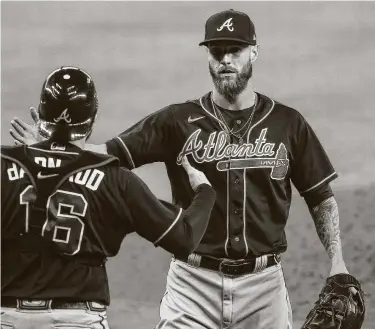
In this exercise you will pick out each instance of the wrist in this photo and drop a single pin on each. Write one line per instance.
(337, 259)
(338, 266)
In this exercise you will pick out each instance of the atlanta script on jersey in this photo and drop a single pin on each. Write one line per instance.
(252, 177)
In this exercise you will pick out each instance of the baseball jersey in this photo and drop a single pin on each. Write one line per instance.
(64, 211)
(252, 177)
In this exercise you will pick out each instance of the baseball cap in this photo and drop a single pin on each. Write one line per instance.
(230, 25)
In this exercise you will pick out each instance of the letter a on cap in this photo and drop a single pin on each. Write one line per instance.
(228, 24)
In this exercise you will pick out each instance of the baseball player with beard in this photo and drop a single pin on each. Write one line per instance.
(252, 149)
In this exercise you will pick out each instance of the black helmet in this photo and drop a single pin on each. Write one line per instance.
(68, 105)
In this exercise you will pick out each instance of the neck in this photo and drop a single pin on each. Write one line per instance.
(243, 100)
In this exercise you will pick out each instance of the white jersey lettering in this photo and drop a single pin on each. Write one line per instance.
(88, 178)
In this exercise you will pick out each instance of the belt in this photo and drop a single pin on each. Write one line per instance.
(46, 304)
(229, 266)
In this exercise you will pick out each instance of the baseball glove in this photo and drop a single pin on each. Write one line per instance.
(338, 307)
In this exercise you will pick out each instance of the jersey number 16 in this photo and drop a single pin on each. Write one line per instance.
(63, 225)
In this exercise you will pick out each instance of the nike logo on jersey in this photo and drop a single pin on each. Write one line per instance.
(191, 120)
(41, 176)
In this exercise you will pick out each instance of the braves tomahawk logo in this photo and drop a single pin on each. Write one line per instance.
(259, 154)
(63, 116)
(228, 24)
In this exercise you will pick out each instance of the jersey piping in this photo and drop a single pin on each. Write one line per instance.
(52, 151)
(244, 174)
(244, 211)
(261, 120)
(213, 116)
(127, 151)
(169, 228)
(227, 240)
(321, 182)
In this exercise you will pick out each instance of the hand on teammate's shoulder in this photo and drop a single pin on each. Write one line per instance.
(24, 133)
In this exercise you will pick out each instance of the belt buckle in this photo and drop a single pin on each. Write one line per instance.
(96, 307)
(34, 304)
(230, 266)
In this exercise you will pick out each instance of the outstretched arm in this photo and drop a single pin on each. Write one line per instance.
(145, 142)
(326, 219)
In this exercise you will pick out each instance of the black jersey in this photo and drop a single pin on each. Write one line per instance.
(251, 175)
(64, 211)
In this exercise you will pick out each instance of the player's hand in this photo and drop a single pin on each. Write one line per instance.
(196, 177)
(23, 133)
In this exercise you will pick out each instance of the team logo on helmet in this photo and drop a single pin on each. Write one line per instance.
(228, 24)
(63, 116)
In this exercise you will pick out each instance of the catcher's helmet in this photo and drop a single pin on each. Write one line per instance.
(68, 105)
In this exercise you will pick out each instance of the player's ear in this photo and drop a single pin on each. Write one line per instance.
(254, 50)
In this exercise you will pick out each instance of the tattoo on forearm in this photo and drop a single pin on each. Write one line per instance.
(326, 219)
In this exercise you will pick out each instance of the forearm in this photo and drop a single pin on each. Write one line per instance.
(197, 216)
(326, 219)
(187, 233)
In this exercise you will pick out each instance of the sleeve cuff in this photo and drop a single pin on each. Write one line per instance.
(156, 243)
(323, 181)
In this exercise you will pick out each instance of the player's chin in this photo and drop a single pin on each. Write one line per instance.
(228, 83)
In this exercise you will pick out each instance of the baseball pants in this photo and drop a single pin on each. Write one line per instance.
(15, 318)
(199, 298)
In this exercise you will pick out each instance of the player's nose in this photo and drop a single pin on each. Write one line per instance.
(226, 59)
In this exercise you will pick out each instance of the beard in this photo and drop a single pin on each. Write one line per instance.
(230, 87)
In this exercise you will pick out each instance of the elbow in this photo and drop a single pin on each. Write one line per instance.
(183, 243)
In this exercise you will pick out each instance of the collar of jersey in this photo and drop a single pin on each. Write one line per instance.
(265, 105)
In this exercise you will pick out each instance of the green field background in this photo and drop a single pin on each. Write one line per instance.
(318, 57)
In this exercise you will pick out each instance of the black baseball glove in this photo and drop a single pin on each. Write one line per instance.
(338, 307)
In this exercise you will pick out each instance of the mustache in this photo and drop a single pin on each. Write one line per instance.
(227, 69)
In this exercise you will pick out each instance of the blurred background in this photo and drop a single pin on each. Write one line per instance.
(318, 57)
